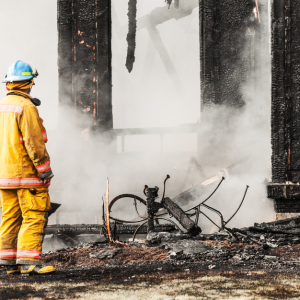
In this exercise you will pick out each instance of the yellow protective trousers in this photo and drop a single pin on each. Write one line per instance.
(24, 217)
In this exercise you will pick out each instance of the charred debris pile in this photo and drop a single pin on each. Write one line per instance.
(177, 240)
(168, 228)
(272, 245)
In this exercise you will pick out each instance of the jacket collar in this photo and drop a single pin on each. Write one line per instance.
(15, 92)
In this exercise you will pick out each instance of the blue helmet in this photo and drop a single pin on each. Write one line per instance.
(20, 71)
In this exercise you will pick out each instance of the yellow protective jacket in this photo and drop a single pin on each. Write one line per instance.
(24, 160)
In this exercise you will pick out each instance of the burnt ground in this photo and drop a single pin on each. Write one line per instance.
(132, 266)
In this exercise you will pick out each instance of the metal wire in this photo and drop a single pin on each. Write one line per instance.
(208, 196)
(138, 230)
(225, 223)
(210, 219)
(136, 210)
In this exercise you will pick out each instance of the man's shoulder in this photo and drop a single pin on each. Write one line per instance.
(17, 100)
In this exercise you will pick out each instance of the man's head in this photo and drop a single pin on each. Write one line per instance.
(20, 77)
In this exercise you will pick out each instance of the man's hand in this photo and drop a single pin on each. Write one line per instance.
(48, 179)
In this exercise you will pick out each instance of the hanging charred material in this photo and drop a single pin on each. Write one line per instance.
(176, 3)
(131, 36)
(84, 59)
(169, 2)
(285, 113)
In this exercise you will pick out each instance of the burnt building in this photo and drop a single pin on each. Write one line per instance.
(233, 41)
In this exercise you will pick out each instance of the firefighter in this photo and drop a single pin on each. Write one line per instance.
(25, 175)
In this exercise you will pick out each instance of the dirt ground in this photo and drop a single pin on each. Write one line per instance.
(148, 273)
(180, 285)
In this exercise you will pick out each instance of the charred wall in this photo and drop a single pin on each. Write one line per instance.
(84, 58)
(285, 118)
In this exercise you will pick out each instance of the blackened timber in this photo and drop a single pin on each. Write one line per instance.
(292, 74)
(224, 27)
(78, 229)
(84, 59)
(278, 93)
(131, 36)
(65, 50)
(84, 62)
(104, 71)
(175, 211)
(229, 39)
(285, 106)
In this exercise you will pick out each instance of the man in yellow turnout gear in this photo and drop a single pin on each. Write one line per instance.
(25, 175)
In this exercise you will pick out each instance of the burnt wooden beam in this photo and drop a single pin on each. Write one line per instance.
(285, 106)
(84, 59)
(78, 229)
(231, 48)
(104, 114)
(175, 211)
(65, 50)
(225, 27)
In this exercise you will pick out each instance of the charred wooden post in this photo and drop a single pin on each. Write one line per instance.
(152, 206)
(285, 114)
(224, 35)
(84, 59)
(230, 55)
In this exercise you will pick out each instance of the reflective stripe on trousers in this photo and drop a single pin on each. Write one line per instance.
(21, 230)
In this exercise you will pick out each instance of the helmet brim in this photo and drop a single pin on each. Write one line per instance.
(17, 78)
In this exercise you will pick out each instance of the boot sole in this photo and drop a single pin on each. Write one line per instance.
(36, 273)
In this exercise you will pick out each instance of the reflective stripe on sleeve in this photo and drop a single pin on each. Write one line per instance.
(21, 139)
(15, 182)
(44, 167)
(8, 253)
(11, 108)
(45, 138)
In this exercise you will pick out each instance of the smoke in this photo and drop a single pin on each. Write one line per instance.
(230, 134)
(29, 33)
(147, 97)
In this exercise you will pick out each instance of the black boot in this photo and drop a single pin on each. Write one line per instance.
(13, 270)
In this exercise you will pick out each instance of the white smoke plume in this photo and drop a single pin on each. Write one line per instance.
(82, 160)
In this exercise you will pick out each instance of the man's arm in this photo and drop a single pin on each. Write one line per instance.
(34, 143)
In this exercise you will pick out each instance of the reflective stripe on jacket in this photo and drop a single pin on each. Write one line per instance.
(24, 160)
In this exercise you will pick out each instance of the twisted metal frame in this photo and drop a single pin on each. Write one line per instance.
(195, 211)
